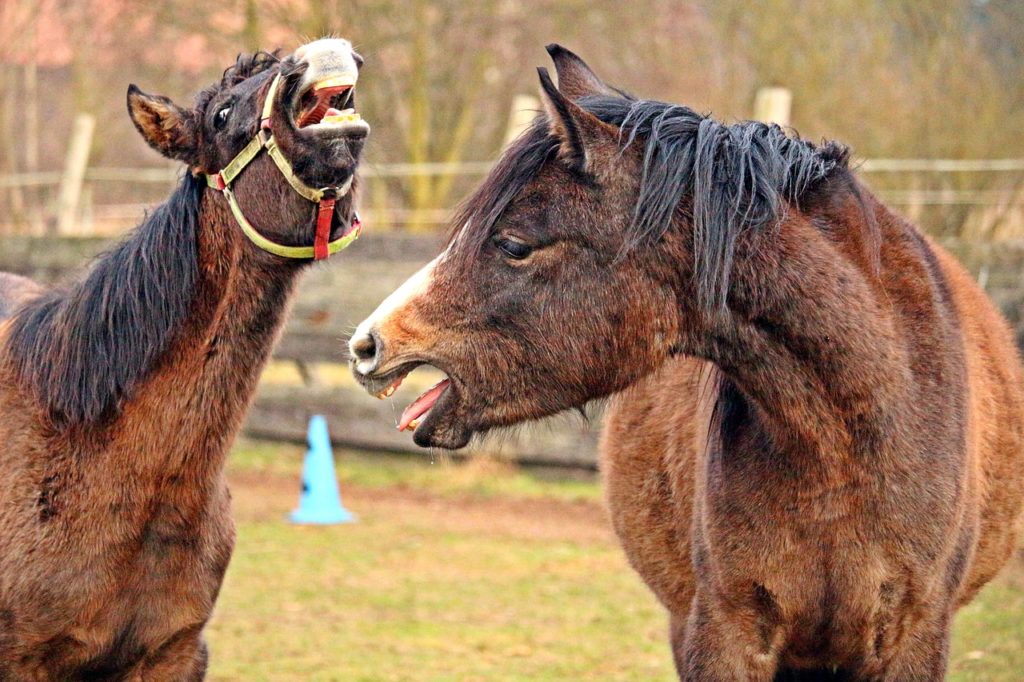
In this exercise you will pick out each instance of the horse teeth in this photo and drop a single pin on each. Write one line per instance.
(413, 424)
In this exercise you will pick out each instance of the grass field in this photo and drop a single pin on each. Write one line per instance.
(461, 572)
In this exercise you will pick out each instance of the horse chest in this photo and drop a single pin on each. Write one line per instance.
(122, 597)
(819, 553)
(171, 582)
(177, 555)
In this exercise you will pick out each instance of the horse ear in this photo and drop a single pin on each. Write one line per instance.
(575, 78)
(167, 128)
(587, 142)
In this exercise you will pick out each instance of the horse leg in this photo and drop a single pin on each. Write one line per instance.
(715, 645)
(201, 661)
(923, 654)
(677, 639)
(184, 658)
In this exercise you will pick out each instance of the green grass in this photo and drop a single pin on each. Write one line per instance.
(468, 572)
(988, 641)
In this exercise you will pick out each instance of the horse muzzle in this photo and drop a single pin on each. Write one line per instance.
(325, 96)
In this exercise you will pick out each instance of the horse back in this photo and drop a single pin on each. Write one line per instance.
(14, 291)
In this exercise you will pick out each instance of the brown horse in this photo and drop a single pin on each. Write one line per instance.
(121, 394)
(815, 451)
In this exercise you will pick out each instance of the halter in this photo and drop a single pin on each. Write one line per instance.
(325, 198)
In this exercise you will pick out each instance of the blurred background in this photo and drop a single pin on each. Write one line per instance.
(899, 81)
(499, 564)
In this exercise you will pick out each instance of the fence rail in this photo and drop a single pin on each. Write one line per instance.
(940, 165)
(169, 174)
(949, 197)
(980, 195)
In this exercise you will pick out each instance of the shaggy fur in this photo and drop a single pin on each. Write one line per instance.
(121, 394)
(816, 453)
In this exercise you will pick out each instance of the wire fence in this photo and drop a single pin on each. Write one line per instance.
(965, 198)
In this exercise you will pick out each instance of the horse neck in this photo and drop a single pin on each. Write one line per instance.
(813, 350)
(193, 402)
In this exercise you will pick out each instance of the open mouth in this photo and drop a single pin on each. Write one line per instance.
(328, 104)
(419, 409)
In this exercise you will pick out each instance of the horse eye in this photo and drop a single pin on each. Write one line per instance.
(221, 118)
(513, 248)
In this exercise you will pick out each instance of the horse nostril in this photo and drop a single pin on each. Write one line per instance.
(365, 347)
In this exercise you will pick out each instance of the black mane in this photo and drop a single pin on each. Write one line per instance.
(737, 177)
(82, 350)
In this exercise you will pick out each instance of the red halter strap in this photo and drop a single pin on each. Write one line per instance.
(324, 217)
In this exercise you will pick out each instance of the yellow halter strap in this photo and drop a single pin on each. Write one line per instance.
(325, 198)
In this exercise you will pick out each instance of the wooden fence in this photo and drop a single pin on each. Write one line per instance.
(335, 296)
(967, 198)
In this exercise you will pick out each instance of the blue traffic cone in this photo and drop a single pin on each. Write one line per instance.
(320, 501)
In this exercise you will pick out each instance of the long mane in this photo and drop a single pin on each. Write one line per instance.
(735, 177)
(84, 348)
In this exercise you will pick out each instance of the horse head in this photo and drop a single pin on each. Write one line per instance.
(300, 110)
(599, 246)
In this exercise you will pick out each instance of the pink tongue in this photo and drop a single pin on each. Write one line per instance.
(331, 111)
(421, 405)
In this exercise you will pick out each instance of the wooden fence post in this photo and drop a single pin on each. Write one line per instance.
(70, 191)
(36, 217)
(773, 105)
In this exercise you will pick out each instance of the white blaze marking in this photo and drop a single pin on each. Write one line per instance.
(399, 298)
(326, 57)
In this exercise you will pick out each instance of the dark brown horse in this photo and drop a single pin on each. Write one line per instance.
(815, 451)
(121, 394)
